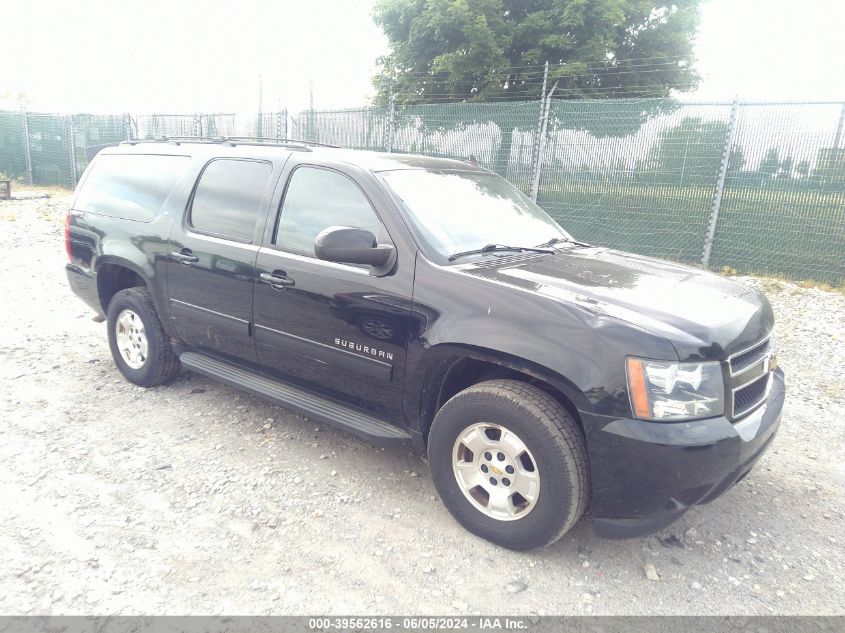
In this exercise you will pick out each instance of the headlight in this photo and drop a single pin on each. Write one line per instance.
(662, 390)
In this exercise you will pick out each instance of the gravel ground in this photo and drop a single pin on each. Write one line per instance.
(195, 498)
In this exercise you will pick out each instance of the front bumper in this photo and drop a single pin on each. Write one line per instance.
(645, 475)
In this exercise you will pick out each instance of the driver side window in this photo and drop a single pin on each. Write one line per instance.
(317, 199)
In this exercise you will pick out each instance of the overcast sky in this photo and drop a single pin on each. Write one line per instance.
(189, 56)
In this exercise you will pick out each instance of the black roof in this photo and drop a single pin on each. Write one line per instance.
(258, 147)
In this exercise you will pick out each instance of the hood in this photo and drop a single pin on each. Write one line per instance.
(704, 316)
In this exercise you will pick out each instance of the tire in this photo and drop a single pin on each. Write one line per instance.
(158, 364)
(524, 417)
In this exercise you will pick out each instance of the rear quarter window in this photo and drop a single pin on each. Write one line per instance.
(130, 186)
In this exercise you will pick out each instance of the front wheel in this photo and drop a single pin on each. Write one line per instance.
(510, 463)
(139, 345)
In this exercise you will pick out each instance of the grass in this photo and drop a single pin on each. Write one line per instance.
(791, 233)
(820, 286)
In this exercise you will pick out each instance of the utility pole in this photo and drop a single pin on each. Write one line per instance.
(541, 146)
(716, 203)
(542, 105)
(391, 123)
(545, 80)
(25, 132)
(71, 144)
(311, 119)
(280, 130)
(535, 150)
(259, 127)
(839, 128)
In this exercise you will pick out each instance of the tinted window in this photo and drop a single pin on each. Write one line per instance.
(317, 199)
(456, 211)
(228, 198)
(130, 186)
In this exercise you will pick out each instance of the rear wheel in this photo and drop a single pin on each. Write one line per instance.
(510, 463)
(140, 347)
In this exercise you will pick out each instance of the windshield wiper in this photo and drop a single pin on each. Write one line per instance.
(555, 240)
(493, 248)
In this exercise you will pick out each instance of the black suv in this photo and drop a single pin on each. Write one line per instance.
(427, 301)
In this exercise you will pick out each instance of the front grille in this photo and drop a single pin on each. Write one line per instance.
(751, 395)
(750, 377)
(750, 357)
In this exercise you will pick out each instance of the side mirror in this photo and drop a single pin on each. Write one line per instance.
(349, 245)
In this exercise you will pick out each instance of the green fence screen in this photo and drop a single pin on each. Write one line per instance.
(12, 152)
(642, 174)
(652, 176)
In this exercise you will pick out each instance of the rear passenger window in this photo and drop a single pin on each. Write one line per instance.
(130, 186)
(228, 198)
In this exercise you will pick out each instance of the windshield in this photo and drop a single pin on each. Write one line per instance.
(459, 211)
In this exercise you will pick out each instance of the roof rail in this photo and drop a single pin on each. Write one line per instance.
(175, 139)
(280, 141)
(232, 140)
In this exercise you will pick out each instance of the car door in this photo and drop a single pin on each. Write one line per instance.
(211, 263)
(332, 327)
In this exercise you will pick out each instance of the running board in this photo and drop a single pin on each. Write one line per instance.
(365, 426)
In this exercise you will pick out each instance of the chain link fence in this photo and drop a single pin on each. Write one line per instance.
(49, 149)
(755, 187)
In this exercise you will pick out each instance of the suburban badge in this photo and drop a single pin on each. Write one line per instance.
(363, 349)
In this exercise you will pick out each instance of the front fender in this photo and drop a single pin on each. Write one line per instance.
(579, 350)
(428, 374)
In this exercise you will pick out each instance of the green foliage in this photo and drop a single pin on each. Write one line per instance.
(770, 164)
(481, 50)
(736, 161)
(689, 152)
(595, 116)
(786, 167)
(830, 167)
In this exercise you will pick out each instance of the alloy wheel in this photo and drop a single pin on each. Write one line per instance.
(496, 471)
(131, 339)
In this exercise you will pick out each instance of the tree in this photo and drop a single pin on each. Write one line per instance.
(736, 160)
(482, 50)
(489, 50)
(689, 153)
(785, 168)
(830, 167)
(770, 164)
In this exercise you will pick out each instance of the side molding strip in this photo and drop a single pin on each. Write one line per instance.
(333, 355)
(211, 317)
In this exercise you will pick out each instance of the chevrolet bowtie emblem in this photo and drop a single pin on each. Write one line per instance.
(495, 470)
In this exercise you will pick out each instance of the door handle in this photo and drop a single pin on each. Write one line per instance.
(277, 281)
(185, 257)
